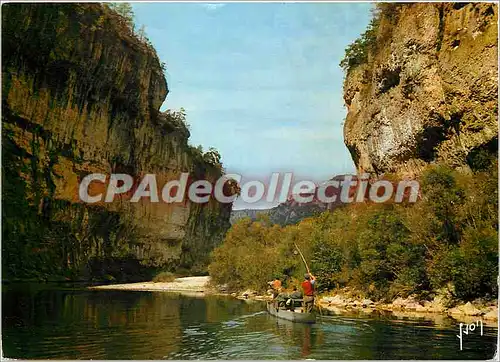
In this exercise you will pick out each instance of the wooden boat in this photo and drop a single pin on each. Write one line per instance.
(297, 315)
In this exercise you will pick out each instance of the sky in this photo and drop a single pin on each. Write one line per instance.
(260, 82)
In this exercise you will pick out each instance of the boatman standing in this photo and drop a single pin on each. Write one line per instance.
(308, 288)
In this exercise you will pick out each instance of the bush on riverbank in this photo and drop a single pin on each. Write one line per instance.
(164, 277)
(384, 251)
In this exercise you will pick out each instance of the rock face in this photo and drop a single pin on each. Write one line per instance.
(81, 94)
(286, 213)
(291, 212)
(243, 213)
(428, 89)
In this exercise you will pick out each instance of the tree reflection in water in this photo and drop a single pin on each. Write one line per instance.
(81, 324)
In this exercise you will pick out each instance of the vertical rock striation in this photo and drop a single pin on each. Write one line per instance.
(81, 94)
(427, 90)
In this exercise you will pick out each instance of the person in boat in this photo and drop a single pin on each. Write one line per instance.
(296, 294)
(290, 302)
(308, 288)
(276, 286)
(282, 300)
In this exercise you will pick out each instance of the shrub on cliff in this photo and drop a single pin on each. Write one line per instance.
(124, 9)
(126, 18)
(358, 51)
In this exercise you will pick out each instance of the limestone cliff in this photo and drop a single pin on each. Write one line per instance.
(424, 87)
(291, 212)
(286, 213)
(81, 94)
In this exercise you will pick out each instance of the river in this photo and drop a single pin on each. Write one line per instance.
(46, 322)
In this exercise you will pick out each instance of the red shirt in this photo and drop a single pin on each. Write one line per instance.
(308, 288)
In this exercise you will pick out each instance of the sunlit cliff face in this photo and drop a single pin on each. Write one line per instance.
(428, 90)
(81, 94)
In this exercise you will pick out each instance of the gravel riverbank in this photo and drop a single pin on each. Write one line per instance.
(189, 285)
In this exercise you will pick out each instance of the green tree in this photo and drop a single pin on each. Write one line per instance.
(357, 52)
(248, 258)
(125, 10)
(141, 33)
(443, 197)
(448, 238)
(212, 156)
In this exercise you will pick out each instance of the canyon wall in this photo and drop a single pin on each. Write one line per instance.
(422, 87)
(81, 94)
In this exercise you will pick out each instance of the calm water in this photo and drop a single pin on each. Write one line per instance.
(82, 324)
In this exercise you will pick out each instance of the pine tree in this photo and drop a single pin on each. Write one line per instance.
(141, 33)
(125, 10)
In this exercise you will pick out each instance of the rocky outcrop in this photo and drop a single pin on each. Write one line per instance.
(286, 213)
(81, 94)
(426, 90)
(291, 212)
(253, 214)
(344, 303)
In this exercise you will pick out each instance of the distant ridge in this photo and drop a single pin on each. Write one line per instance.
(291, 211)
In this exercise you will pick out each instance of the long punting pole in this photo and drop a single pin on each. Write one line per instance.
(303, 259)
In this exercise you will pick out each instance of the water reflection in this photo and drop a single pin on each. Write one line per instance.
(73, 324)
(302, 336)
